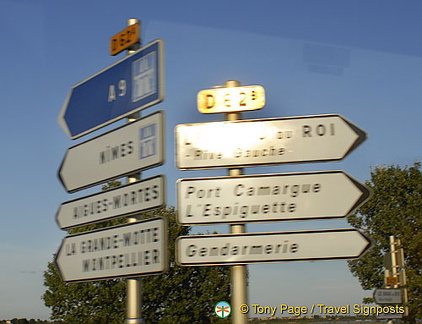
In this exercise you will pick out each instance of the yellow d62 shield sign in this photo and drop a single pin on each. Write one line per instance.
(124, 39)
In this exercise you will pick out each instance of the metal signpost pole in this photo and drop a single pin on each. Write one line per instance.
(238, 272)
(397, 261)
(393, 263)
(256, 142)
(85, 111)
(393, 257)
(402, 277)
(134, 291)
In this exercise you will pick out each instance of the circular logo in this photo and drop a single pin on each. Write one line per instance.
(222, 309)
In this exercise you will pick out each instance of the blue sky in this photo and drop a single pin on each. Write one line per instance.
(360, 59)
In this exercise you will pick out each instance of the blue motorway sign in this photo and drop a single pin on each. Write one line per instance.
(121, 89)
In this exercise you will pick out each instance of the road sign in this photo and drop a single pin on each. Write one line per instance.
(131, 148)
(124, 39)
(128, 250)
(269, 197)
(387, 262)
(231, 99)
(265, 141)
(130, 85)
(402, 278)
(388, 296)
(270, 247)
(391, 281)
(122, 201)
(399, 259)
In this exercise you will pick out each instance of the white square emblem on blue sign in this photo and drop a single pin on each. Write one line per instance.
(144, 81)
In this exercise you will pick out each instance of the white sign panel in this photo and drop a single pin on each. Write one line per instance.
(117, 202)
(272, 197)
(231, 99)
(265, 141)
(131, 148)
(270, 247)
(127, 250)
(388, 296)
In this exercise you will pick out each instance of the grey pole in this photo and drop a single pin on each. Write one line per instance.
(393, 263)
(393, 256)
(134, 286)
(238, 272)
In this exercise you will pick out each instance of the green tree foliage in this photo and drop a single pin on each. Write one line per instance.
(26, 321)
(19, 321)
(395, 209)
(92, 302)
(85, 302)
(181, 294)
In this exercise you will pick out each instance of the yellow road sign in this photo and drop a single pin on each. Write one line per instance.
(221, 100)
(391, 281)
(125, 39)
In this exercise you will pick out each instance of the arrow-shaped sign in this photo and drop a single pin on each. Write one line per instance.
(121, 89)
(131, 148)
(266, 141)
(126, 250)
(269, 197)
(388, 296)
(270, 247)
(122, 201)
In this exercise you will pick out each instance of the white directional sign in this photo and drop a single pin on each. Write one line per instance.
(127, 250)
(270, 197)
(231, 99)
(388, 296)
(131, 148)
(117, 202)
(265, 141)
(270, 247)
